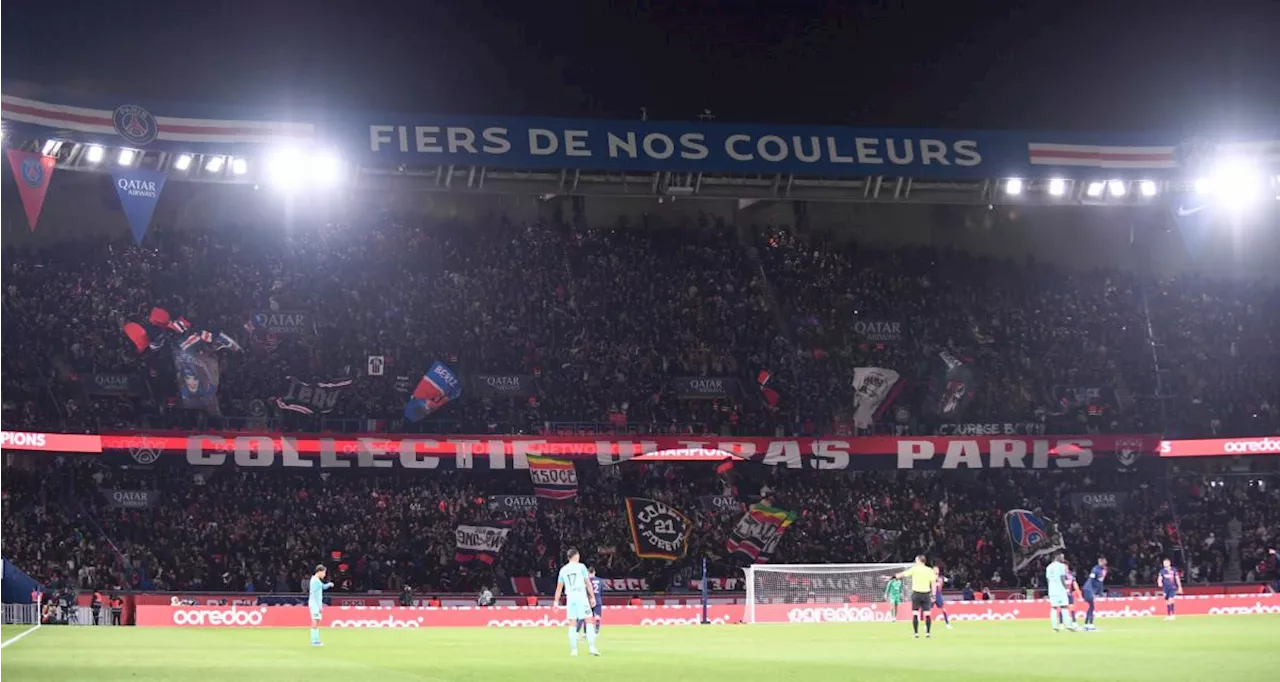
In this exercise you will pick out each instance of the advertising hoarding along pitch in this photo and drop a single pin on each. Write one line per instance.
(718, 614)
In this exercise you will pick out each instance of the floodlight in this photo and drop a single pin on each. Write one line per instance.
(95, 153)
(1236, 183)
(126, 157)
(1202, 185)
(1116, 187)
(1013, 186)
(1057, 187)
(285, 167)
(214, 164)
(1149, 188)
(1095, 189)
(182, 163)
(239, 166)
(326, 168)
(50, 147)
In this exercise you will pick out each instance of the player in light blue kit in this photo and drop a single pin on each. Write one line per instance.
(1059, 601)
(315, 600)
(580, 601)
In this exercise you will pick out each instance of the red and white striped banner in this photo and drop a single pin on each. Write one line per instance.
(138, 126)
(1095, 156)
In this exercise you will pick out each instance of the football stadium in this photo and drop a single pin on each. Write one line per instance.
(547, 392)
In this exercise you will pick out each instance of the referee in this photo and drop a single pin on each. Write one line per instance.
(921, 576)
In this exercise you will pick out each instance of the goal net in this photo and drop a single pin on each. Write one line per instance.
(806, 593)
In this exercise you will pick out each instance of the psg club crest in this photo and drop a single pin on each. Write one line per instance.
(146, 450)
(1127, 451)
(33, 173)
(135, 124)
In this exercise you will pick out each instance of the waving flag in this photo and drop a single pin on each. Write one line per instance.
(658, 530)
(758, 531)
(198, 379)
(479, 543)
(553, 479)
(873, 391)
(139, 191)
(32, 172)
(436, 388)
(1030, 536)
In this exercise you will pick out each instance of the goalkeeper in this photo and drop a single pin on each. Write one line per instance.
(893, 594)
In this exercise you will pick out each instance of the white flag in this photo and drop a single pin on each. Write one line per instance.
(871, 387)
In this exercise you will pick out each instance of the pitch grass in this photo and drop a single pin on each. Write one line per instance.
(1213, 649)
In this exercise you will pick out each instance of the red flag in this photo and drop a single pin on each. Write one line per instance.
(32, 172)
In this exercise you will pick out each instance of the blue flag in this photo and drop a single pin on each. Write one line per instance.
(436, 388)
(139, 190)
(1030, 536)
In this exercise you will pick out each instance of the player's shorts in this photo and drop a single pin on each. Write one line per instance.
(937, 600)
(921, 601)
(1071, 599)
(1059, 599)
(579, 610)
(1170, 594)
(1089, 596)
(598, 611)
(315, 613)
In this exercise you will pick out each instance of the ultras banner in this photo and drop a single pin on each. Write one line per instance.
(470, 452)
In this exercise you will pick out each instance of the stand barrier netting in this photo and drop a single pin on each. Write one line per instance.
(800, 593)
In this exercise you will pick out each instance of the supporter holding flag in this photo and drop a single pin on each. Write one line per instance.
(435, 389)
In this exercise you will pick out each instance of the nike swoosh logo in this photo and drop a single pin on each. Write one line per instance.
(1183, 212)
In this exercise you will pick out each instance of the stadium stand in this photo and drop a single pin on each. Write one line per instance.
(607, 319)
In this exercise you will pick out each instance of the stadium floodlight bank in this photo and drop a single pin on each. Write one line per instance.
(791, 593)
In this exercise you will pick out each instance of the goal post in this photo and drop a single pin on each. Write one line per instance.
(802, 593)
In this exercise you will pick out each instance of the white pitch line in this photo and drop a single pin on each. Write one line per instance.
(22, 634)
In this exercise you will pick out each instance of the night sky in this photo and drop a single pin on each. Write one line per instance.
(1069, 64)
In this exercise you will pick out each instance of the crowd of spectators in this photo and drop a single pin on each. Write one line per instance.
(225, 529)
(605, 318)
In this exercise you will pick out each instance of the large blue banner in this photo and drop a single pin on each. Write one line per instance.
(755, 148)
(139, 190)
(436, 388)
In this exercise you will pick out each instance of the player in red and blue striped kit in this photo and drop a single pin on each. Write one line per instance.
(1093, 588)
(1171, 583)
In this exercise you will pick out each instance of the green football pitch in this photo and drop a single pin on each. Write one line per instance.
(1213, 649)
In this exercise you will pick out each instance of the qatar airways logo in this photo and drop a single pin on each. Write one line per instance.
(232, 617)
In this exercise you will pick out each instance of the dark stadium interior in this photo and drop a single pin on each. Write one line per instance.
(1076, 331)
